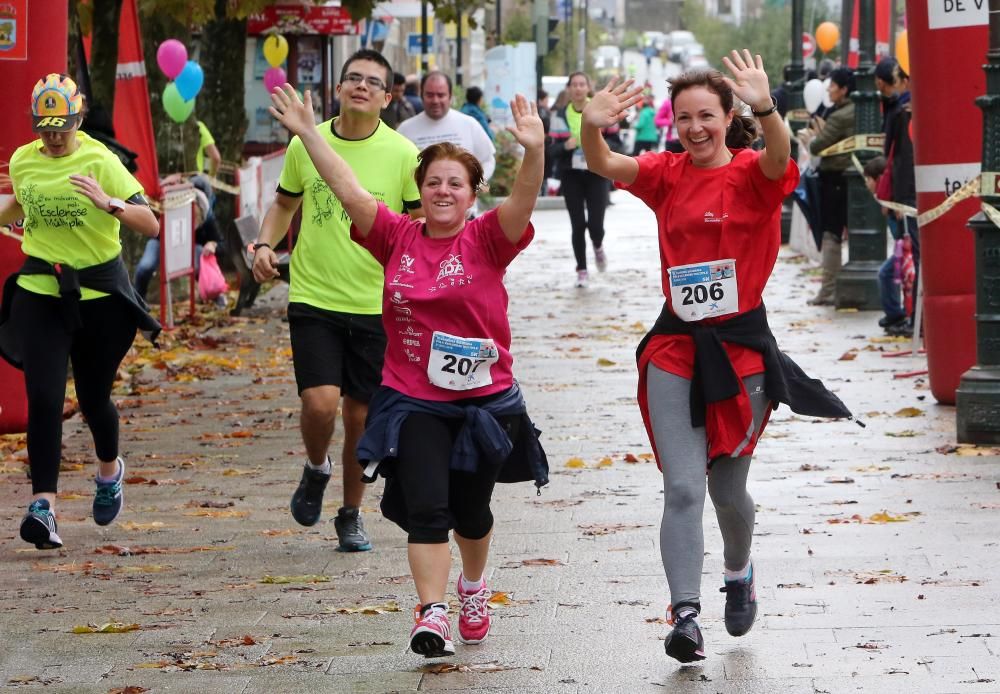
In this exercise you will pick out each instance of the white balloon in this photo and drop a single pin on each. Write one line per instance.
(826, 93)
(812, 94)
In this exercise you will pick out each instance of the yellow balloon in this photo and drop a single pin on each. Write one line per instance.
(827, 35)
(275, 50)
(903, 51)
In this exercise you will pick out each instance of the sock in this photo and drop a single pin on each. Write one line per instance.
(684, 608)
(471, 587)
(326, 468)
(113, 478)
(739, 575)
(439, 606)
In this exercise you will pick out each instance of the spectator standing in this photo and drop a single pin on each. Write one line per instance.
(647, 135)
(473, 107)
(412, 94)
(441, 123)
(207, 148)
(838, 125)
(335, 295)
(400, 108)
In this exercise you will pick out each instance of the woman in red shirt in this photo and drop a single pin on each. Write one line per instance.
(710, 370)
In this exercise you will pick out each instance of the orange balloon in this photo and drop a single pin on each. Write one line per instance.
(827, 35)
(903, 51)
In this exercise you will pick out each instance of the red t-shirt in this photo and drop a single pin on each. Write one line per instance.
(444, 306)
(731, 211)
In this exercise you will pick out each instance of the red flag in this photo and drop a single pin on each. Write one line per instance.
(882, 21)
(132, 119)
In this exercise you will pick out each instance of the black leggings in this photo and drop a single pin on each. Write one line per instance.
(96, 350)
(438, 498)
(585, 189)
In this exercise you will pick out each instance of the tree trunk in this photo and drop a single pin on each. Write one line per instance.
(176, 143)
(104, 52)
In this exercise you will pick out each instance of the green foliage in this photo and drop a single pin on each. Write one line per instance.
(508, 158)
(518, 26)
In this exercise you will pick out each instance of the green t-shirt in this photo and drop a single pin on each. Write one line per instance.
(329, 271)
(205, 139)
(574, 119)
(62, 225)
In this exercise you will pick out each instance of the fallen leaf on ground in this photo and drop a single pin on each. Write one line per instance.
(307, 578)
(499, 600)
(442, 668)
(849, 355)
(575, 462)
(905, 434)
(594, 529)
(605, 462)
(839, 480)
(283, 660)
(809, 467)
(386, 607)
(541, 562)
(605, 362)
(209, 513)
(128, 690)
(629, 458)
(909, 412)
(109, 628)
(886, 517)
(132, 525)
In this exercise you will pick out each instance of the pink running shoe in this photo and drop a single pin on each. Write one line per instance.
(431, 635)
(474, 616)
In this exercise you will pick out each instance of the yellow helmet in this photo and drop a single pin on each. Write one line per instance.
(56, 104)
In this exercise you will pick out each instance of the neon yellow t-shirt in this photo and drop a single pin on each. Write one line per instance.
(574, 121)
(329, 271)
(205, 139)
(60, 224)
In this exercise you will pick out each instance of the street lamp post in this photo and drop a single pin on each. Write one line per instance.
(798, 117)
(857, 282)
(978, 395)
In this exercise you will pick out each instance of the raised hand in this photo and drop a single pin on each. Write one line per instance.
(749, 81)
(527, 129)
(292, 112)
(609, 105)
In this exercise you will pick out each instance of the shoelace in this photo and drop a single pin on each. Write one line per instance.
(352, 525)
(475, 605)
(105, 495)
(736, 591)
(439, 619)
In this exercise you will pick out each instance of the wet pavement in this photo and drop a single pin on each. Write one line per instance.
(875, 548)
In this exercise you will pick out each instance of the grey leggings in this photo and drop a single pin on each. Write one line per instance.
(683, 453)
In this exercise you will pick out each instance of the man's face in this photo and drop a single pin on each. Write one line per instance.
(886, 89)
(436, 97)
(397, 92)
(358, 91)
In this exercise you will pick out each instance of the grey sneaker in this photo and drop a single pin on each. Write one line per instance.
(307, 501)
(38, 527)
(351, 531)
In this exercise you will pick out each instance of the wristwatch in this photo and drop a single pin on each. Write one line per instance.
(254, 247)
(115, 206)
(768, 112)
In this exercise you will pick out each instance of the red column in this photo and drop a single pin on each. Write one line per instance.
(947, 142)
(40, 48)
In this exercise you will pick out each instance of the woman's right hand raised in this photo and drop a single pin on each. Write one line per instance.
(611, 104)
(292, 112)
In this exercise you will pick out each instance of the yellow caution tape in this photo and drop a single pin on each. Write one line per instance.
(991, 212)
(799, 114)
(969, 190)
(223, 186)
(856, 143)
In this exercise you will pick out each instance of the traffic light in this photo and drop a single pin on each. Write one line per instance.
(544, 41)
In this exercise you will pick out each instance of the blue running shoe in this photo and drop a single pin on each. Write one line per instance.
(741, 603)
(108, 498)
(38, 527)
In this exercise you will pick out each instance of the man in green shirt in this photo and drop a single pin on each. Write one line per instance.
(206, 146)
(335, 293)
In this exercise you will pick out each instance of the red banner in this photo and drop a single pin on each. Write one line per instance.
(133, 119)
(883, 18)
(14, 30)
(296, 19)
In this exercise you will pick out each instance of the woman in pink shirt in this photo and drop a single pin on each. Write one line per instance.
(449, 420)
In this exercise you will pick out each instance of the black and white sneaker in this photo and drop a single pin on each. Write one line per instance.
(685, 643)
(307, 501)
(108, 497)
(38, 527)
(741, 603)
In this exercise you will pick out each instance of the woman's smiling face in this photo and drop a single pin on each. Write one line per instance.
(446, 194)
(702, 125)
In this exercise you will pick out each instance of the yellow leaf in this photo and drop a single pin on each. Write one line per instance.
(905, 434)
(500, 599)
(605, 462)
(605, 362)
(209, 513)
(308, 578)
(575, 462)
(109, 628)
(886, 517)
(132, 525)
(390, 606)
(909, 412)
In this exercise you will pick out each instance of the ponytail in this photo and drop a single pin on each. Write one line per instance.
(742, 132)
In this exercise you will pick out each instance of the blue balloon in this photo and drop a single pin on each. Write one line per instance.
(190, 80)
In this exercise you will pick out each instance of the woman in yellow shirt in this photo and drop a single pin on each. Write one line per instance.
(71, 300)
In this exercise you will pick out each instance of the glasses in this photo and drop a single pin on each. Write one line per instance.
(373, 82)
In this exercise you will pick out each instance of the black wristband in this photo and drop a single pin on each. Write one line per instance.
(768, 112)
(258, 246)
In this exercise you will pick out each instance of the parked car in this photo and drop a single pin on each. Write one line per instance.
(690, 52)
(677, 41)
(608, 58)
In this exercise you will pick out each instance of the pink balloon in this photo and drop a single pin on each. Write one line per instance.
(171, 56)
(274, 77)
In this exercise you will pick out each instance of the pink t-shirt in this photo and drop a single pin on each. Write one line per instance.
(444, 306)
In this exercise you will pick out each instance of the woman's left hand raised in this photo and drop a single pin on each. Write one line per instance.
(88, 186)
(749, 81)
(292, 112)
(527, 129)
